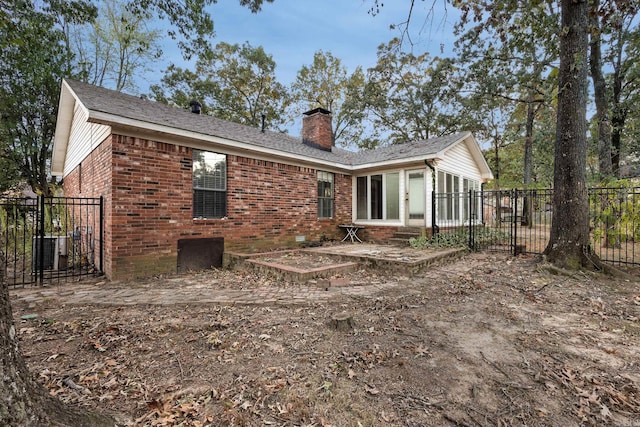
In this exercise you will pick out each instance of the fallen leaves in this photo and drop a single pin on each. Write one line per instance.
(415, 356)
(597, 394)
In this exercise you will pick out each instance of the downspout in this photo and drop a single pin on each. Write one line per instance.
(482, 203)
(434, 227)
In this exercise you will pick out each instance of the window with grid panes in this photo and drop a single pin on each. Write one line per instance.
(325, 194)
(209, 184)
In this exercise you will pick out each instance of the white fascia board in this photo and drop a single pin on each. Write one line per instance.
(231, 145)
(63, 129)
(388, 164)
(64, 122)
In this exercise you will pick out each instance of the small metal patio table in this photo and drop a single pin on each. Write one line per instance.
(352, 232)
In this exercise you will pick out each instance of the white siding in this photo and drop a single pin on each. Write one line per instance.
(458, 161)
(84, 137)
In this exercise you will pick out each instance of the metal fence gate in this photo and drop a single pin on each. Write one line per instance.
(50, 239)
(519, 221)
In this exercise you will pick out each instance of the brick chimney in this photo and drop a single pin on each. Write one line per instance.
(316, 129)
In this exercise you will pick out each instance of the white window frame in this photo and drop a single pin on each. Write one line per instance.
(385, 217)
(455, 211)
(323, 176)
(218, 190)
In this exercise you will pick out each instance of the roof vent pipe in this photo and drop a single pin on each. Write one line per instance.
(263, 117)
(196, 107)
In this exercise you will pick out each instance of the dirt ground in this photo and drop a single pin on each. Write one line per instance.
(485, 341)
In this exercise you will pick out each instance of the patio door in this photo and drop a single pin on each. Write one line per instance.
(415, 199)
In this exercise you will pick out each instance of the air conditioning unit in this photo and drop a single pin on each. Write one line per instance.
(54, 252)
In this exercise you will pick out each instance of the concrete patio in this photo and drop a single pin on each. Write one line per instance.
(321, 262)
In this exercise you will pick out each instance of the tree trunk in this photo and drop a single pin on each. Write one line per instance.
(618, 118)
(569, 241)
(24, 402)
(600, 93)
(618, 121)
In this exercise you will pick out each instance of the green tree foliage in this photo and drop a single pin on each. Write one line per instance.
(114, 48)
(621, 33)
(509, 52)
(189, 22)
(411, 97)
(326, 83)
(233, 82)
(33, 62)
(37, 53)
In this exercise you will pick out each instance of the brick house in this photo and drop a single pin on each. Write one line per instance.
(176, 183)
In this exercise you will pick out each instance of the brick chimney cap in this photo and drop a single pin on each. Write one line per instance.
(317, 110)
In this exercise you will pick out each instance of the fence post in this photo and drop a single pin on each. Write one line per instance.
(101, 233)
(514, 196)
(470, 217)
(40, 239)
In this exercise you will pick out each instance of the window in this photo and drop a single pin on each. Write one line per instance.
(378, 197)
(325, 194)
(209, 184)
(453, 198)
(392, 196)
(361, 198)
(449, 197)
(470, 185)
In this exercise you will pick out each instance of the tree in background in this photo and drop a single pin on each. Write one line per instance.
(326, 84)
(603, 128)
(233, 82)
(410, 97)
(569, 241)
(37, 53)
(33, 62)
(116, 47)
(623, 83)
(189, 23)
(511, 58)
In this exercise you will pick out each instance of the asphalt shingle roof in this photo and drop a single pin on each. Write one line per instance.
(118, 104)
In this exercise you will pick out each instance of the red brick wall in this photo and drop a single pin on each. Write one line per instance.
(376, 233)
(93, 179)
(316, 130)
(149, 205)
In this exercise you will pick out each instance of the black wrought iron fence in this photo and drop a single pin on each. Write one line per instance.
(615, 224)
(49, 239)
(519, 221)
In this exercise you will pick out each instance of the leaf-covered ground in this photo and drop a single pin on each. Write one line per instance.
(485, 341)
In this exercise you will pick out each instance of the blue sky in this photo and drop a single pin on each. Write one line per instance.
(293, 30)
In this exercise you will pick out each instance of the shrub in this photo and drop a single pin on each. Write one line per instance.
(459, 238)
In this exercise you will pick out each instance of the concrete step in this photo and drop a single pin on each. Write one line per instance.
(399, 241)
